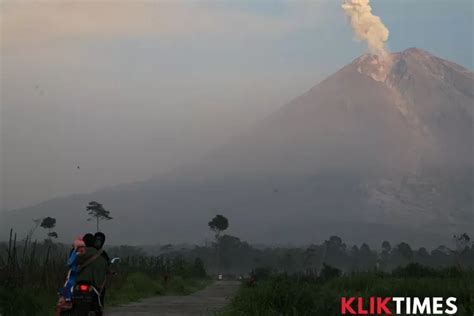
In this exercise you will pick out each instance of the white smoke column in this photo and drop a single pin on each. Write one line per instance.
(367, 26)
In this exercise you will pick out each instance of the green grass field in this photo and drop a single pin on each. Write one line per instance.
(32, 273)
(300, 295)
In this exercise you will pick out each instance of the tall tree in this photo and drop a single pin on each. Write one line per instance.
(49, 223)
(97, 212)
(218, 224)
(462, 242)
(335, 253)
(367, 258)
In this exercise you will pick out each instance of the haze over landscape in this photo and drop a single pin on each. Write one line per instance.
(180, 122)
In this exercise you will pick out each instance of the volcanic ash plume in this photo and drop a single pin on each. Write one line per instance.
(367, 26)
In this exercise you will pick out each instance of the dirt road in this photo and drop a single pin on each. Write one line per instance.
(204, 302)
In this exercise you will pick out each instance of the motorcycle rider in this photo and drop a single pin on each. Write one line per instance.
(92, 265)
(99, 243)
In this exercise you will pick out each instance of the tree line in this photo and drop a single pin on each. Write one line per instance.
(230, 254)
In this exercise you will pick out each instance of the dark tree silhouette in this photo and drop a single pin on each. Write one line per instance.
(462, 242)
(335, 252)
(367, 258)
(218, 224)
(49, 223)
(97, 212)
(386, 247)
(385, 255)
(328, 272)
(313, 256)
(422, 256)
(405, 250)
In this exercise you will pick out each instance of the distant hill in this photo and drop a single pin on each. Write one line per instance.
(382, 149)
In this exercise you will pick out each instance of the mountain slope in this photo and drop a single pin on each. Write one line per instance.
(380, 149)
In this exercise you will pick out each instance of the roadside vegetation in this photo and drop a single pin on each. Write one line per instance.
(320, 294)
(31, 273)
(230, 255)
(284, 280)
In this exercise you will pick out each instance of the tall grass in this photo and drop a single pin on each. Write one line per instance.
(283, 294)
(31, 273)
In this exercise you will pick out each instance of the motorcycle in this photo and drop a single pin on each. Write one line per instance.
(87, 298)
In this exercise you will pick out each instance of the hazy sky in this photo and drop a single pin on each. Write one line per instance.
(130, 89)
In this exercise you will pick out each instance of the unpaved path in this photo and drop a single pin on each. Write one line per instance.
(204, 302)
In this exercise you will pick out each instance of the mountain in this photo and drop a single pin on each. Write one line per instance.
(382, 149)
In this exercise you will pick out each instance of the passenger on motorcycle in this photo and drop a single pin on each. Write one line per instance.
(65, 294)
(92, 264)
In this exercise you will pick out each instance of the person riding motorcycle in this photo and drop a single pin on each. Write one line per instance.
(99, 243)
(92, 265)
